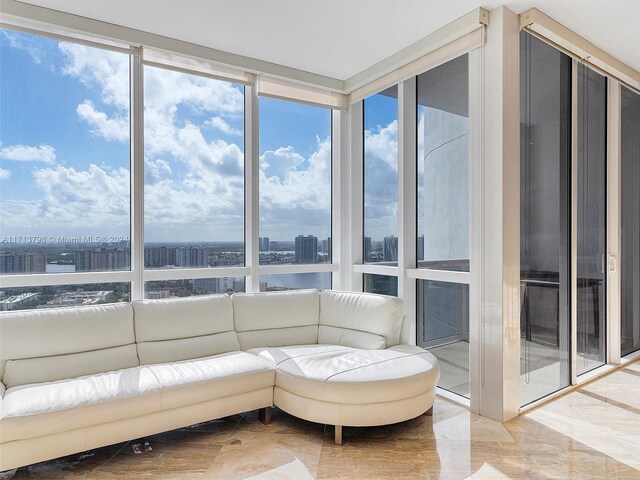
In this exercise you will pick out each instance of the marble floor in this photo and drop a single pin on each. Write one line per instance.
(590, 433)
(454, 366)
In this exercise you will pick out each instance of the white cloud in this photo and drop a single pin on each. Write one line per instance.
(4, 173)
(205, 158)
(279, 162)
(383, 144)
(23, 42)
(96, 200)
(98, 194)
(381, 180)
(25, 153)
(223, 126)
(299, 198)
(166, 90)
(104, 69)
(110, 128)
(156, 169)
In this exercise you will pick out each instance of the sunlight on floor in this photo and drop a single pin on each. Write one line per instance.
(488, 472)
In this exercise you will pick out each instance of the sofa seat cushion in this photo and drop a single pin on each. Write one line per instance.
(40, 409)
(199, 380)
(341, 374)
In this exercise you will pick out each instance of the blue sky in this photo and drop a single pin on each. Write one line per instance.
(64, 152)
(39, 108)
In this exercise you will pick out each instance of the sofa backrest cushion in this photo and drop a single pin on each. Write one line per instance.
(54, 344)
(276, 319)
(361, 312)
(176, 329)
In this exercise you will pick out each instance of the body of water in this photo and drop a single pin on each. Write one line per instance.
(320, 281)
(56, 268)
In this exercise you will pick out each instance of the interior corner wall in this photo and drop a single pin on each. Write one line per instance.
(499, 229)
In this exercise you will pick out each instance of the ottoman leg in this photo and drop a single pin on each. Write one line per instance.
(338, 439)
(264, 415)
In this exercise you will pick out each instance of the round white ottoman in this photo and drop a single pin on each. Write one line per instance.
(339, 385)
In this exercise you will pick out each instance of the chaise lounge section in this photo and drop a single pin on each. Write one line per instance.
(81, 378)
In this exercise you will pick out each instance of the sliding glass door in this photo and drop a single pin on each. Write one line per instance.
(591, 222)
(630, 223)
(545, 189)
(563, 184)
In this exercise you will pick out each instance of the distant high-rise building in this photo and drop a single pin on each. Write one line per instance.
(102, 259)
(367, 249)
(421, 247)
(273, 246)
(325, 247)
(192, 257)
(263, 244)
(390, 249)
(306, 249)
(158, 257)
(23, 262)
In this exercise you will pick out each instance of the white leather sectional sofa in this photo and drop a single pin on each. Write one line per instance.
(80, 378)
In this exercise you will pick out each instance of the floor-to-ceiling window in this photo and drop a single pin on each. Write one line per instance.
(443, 188)
(194, 181)
(591, 252)
(381, 177)
(630, 222)
(380, 185)
(78, 168)
(64, 172)
(545, 222)
(295, 192)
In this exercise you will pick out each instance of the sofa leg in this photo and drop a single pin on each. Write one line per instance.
(264, 415)
(430, 412)
(338, 439)
(141, 445)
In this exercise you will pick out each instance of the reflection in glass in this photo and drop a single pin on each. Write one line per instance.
(295, 183)
(591, 209)
(56, 296)
(544, 218)
(295, 281)
(382, 284)
(191, 287)
(443, 328)
(381, 177)
(194, 171)
(443, 216)
(630, 223)
(443, 167)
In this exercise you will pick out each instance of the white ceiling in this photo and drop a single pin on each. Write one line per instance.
(339, 38)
